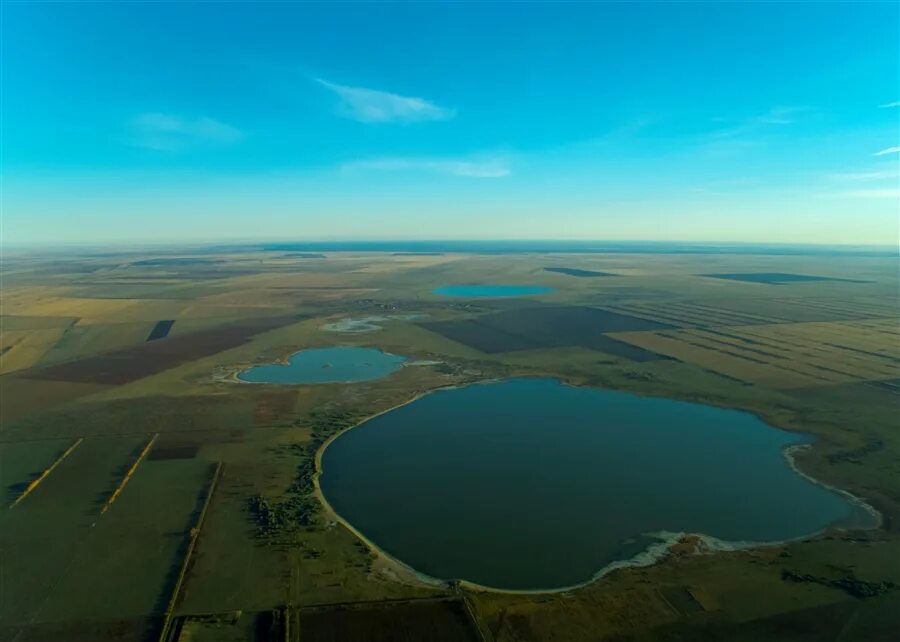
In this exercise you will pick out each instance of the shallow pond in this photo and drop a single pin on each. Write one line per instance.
(492, 291)
(367, 324)
(532, 484)
(326, 365)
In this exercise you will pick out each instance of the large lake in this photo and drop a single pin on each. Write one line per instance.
(490, 291)
(532, 484)
(326, 365)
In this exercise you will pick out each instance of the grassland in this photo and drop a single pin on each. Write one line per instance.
(820, 356)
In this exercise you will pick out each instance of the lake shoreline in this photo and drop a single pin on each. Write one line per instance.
(288, 362)
(654, 553)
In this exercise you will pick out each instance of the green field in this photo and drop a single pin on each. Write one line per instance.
(818, 356)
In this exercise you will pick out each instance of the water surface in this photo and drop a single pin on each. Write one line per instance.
(326, 365)
(493, 291)
(531, 484)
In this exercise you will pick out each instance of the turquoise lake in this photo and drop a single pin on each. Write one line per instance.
(326, 365)
(492, 291)
(532, 484)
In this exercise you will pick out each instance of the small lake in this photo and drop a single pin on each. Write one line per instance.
(532, 484)
(490, 291)
(326, 365)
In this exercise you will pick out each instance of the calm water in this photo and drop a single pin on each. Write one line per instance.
(476, 291)
(529, 483)
(326, 365)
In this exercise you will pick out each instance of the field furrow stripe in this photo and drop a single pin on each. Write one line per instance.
(35, 482)
(128, 475)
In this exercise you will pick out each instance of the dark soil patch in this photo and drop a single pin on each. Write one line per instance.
(549, 327)
(131, 364)
(134, 630)
(173, 452)
(161, 330)
(436, 621)
(853, 619)
(577, 272)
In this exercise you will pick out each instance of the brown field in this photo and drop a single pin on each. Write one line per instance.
(438, 620)
(146, 359)
(547, 327)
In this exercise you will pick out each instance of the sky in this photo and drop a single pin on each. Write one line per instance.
(678, 121)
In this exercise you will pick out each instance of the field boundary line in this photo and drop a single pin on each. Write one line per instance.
(476, 622)
(194, 535)
(35, 482)
(131, 470)
(449, 597)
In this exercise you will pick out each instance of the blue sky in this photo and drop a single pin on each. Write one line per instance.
(699, 121)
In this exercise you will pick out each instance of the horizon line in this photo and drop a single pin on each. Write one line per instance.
(399, 244)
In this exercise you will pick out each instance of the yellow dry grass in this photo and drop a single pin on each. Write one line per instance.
(785, 355)
(255, 297)
(131, 470)
(34, 483)
(296, 280)
(84, 340)
(92, 310)
(24, 348)
(10, 322)
(395, 263)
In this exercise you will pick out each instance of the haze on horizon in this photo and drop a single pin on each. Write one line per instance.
(730, 122)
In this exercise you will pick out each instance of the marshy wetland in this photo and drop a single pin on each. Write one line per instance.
(490, 291)
(531, 484)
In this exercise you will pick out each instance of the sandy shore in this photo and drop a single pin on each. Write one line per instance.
(654, 553)
(389, 564)
(235, 371)
(789, 454)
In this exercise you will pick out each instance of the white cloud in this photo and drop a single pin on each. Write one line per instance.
(373, 106)
(889, 105)
(168, 132)
(488, 168)
(888, 150)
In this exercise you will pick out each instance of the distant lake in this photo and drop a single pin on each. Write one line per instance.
(531, 484)
(480, 291)
(326, 365)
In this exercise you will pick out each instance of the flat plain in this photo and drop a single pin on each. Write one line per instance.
(215, 533)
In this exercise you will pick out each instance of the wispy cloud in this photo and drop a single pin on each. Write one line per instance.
(373, 106)
(889, 105)
(888, 150)
(481, 168)
(749, 131)
(170, 133)
(888, 192)
(775, 116)
(778, 116)
(868, 175)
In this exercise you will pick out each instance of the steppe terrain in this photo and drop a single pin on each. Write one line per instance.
(152, 496)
